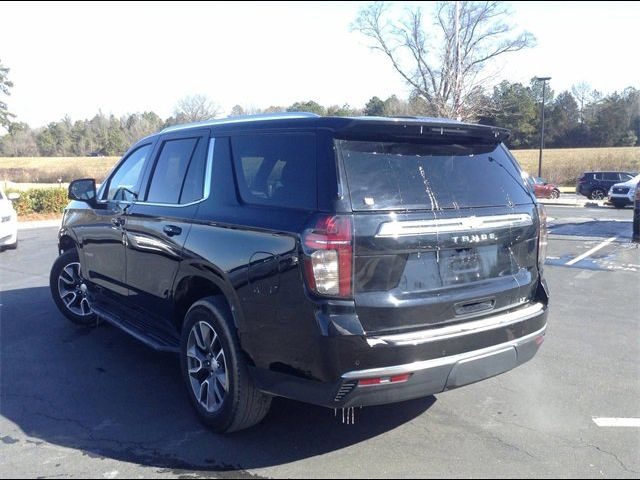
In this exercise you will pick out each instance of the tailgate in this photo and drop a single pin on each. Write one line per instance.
(442, 233)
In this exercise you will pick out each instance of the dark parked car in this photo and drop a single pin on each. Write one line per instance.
(338, 261)
(543, 189)
(596, 185)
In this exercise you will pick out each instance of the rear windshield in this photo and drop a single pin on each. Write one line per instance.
(403, 175)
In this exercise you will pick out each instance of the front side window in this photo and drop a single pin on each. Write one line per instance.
(170, 170)
(277, 170)
(124, 184)
(611, 176)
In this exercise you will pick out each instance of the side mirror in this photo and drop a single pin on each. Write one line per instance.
(83, 190)
(13, 196)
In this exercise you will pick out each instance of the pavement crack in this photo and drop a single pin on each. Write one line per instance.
(572, 443)
(611, 454)
(499, 440)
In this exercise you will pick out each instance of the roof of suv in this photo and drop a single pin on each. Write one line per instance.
(298, 119)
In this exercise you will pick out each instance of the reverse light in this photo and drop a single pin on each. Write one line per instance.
(328, 252)
(543, 236)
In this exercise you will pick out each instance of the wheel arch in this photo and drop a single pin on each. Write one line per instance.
(66, 240)
(192, 286)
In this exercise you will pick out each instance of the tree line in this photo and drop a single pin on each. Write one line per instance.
(578, 118)
(445, 60)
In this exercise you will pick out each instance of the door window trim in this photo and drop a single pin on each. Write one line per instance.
(207, 182)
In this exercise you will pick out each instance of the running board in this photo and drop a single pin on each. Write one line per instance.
(159, 342)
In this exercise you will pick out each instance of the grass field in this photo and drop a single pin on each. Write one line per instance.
(561, 166)
(53, 169)
(565, 165)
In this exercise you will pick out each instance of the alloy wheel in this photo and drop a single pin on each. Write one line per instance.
(73, 290)
(207, 367)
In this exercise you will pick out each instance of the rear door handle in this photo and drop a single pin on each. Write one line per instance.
(172, 230)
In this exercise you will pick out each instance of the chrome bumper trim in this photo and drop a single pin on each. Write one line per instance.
(440, 362)
(444, 333)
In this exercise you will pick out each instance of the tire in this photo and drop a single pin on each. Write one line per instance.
(69, 290)
(555, 193)
(210, 354)
(619, 204)
(598, 194)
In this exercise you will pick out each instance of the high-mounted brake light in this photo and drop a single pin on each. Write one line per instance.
(328, 252)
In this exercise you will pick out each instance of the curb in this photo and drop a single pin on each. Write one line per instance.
(573, 203)
(39, 224)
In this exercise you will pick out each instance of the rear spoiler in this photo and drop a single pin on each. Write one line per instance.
(382, 128)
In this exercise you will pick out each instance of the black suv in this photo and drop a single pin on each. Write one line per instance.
(337, 261)
(596, 185)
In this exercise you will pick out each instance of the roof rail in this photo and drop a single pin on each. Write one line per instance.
(242, 119)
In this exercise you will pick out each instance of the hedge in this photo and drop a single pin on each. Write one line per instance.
(41, 200)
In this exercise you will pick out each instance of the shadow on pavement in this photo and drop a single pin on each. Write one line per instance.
(101, 392)
(593, 228)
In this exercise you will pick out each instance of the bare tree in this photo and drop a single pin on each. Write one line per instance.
(196, 108)
(583, 94)
(444, 65)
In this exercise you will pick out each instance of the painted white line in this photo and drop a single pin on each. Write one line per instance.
(592, 251)
(617, 422)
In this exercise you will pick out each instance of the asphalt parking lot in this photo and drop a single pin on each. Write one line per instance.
(78, 402)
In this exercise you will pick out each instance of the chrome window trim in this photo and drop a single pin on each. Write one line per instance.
(408, 228)
(207, 183)
(445, 333)
(440, 362)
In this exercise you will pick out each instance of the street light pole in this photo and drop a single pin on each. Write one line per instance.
(544, 85)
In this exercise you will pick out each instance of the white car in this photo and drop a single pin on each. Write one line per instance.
(8, 221)
(623, 194)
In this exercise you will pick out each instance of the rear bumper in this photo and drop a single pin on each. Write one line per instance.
(434, 376)
(435, 360)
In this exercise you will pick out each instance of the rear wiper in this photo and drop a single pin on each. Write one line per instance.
(519, 183)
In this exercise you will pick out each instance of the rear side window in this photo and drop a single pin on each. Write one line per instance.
(407, 175)
(611, 176)
(170, 169)
(276, 169)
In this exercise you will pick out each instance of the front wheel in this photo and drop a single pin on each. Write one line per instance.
(215, 372)
(69, 290)
(555, 193)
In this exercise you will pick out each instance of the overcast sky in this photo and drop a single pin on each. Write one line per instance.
(76, 58)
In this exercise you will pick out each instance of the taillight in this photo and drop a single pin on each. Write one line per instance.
(543, 236)
(328, 259)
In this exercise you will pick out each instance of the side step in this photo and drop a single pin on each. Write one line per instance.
(139, 330)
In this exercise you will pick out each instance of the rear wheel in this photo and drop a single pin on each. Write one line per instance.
(215, 372)
(598, 194)
(69, 290)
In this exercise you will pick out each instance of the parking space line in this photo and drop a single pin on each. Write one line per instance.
(592, 251)
(617, 422)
